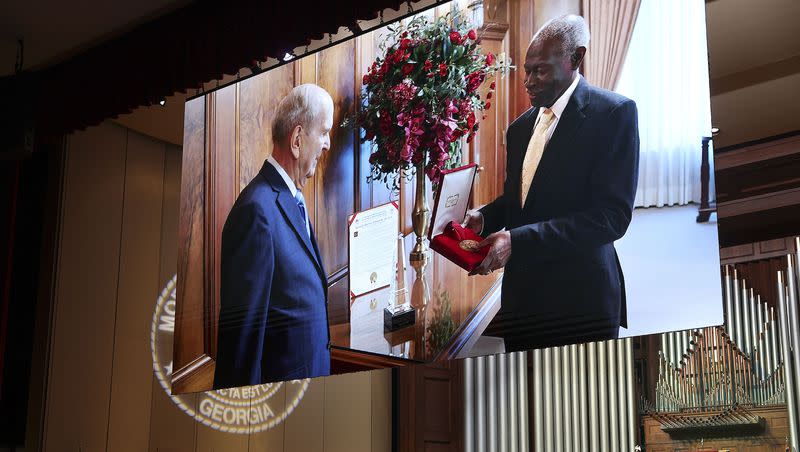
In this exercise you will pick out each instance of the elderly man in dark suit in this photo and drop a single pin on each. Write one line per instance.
(273, 322)
(571, 174)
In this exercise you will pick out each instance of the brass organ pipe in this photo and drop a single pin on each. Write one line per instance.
(725, 370)
(749, 374)
(548, 400)
(753, 322)
(502, 378)
(736, 335)
(469, 408)
(745, 343)
(787, 359)
(584, 408)
(522, 372)
(733, 376)
(480, 404)
(702, 367)
(515, 405)
(613, 413)
(760, 332)
(768, 341)
(688, 385)
(791, 301)
(566, 372)
(594, 415)
(721, 374)
(773, 338)
(669, 353)
(538, 402)
(630, 394)
(619, 352)
(557, 402)
(491, 413)
(728, 299)
(709, 362)
(602, 383)
(576, 415)
(759, 365)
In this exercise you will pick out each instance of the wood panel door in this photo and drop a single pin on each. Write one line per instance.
(488, 149)
(430, 404)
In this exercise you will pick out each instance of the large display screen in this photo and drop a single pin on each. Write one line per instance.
(582, 199)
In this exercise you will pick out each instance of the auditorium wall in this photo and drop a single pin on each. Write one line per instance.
(116, 252)
(754, 63)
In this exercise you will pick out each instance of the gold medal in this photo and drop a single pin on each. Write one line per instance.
(468, 245)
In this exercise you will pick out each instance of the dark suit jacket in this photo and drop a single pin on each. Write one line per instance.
(273, 322)
(563, 283)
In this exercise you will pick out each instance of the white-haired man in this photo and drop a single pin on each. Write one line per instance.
(273, 323)
(571, 174)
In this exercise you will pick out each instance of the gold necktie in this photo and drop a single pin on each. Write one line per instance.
(535, 150)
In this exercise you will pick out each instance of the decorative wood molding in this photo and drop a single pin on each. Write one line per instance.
(757, 152)
(757, 251)
(753, 76)
(759, 203)
(196, 376)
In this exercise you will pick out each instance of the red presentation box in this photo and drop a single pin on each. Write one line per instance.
(446, 235)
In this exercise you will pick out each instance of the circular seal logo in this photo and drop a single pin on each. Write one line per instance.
(244, 410)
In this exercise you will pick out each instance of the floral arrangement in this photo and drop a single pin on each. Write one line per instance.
(422, 97)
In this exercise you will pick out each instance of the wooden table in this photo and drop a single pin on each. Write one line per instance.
(438, 334)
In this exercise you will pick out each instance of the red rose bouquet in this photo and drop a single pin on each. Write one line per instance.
(421, 97)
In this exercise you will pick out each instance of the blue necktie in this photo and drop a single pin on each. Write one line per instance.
(301, 204)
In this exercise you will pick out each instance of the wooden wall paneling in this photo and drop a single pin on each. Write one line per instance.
(128, 425)
(271, 438)
(339, 299)
(347, 416)
(191, 275)
(381, 409)
(79, 379)
(520, 33)
(211, 440)
(374, 193)
(170, 428)
(221, 190)
(335, 174)
(304, 426)
(488, 148)
(258, 98)
(305, 71)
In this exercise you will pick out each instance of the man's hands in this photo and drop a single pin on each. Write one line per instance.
(499, 253)
(473, 220)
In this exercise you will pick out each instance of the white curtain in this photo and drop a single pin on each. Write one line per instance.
(666, 73)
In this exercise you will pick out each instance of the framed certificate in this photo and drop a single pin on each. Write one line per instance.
(372, 245)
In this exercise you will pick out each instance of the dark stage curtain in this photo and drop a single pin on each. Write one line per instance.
(177, 52)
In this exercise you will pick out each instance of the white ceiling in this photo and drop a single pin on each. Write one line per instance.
(744, 34)
(55, 30)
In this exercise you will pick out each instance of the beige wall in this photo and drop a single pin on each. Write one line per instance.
(755, 72)
(757, 111)
(117, 250)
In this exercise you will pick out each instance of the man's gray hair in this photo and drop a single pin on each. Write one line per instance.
(302, 106)
(571, 30)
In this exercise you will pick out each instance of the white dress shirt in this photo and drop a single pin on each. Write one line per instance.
(558, 108)
(284, 175)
